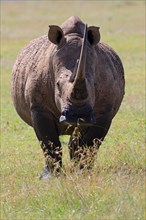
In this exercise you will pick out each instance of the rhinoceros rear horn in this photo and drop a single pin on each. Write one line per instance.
(55, 34)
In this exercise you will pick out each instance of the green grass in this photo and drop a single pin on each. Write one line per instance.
(115, 189)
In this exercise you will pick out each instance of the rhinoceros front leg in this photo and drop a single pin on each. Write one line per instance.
(96, 133)
(83, 147)
(82, 155)
(78, 149)
(47, 133)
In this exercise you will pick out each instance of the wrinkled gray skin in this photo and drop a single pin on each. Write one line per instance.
(55, 86)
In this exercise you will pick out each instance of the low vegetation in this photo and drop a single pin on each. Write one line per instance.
(115, 187)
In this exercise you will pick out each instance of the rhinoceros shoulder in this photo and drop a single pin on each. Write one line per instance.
(110, 56)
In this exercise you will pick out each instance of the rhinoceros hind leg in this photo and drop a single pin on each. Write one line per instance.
(47, 133)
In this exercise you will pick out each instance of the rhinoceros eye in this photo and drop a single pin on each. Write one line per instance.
(59, 86)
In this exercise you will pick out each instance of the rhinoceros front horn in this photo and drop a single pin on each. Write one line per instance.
(79, 85)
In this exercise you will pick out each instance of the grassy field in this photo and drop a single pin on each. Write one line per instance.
(115, 189)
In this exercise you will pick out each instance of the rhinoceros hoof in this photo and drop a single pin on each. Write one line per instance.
(45, 174)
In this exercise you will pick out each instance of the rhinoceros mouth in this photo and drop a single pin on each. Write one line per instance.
(78, 115)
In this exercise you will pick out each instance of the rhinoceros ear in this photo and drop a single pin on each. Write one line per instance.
(93, 35)
(55, 34)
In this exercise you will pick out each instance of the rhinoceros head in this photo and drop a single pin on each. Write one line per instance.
(73, 64)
